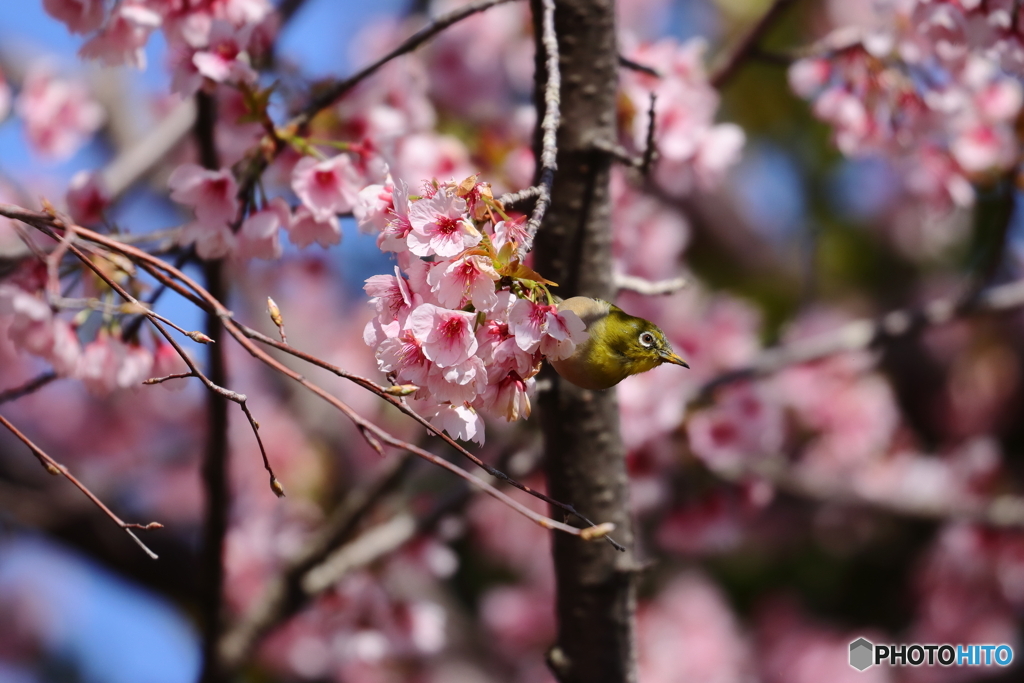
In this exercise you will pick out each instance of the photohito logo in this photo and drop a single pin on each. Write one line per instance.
(864, 653)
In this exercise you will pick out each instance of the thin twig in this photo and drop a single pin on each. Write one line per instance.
(283, 595)
(48, 224)
(863, 334)
(331, 95)
(55, 468)
(29, 387)
(650, 148)
(628, 63)
(632, 283)
(746, 45)
(552, 118)
(1005, 511)
(426, 424)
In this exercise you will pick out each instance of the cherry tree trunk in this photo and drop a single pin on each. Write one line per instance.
(583, 451)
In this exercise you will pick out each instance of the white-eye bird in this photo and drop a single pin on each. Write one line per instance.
(618, 345)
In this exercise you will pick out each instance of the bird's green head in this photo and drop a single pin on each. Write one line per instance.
(634, 344)
(618, 345)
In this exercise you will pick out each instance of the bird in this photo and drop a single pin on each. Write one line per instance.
(618, 345)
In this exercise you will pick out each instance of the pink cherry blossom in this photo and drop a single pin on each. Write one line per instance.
(224, 59)
(693, 150)
(501, 352)
(87, 198)
(259, 236)
(509, 397)
(212, 194)
(471, 277)
(34, 328)
(457, 384)
(391, 296)
(461, 422)
(60, 115)
(544, 328)
(374, 207)
(403, 355)
(107, 364)
(447, 335)
(693, 616)
(439, 226)
(123, 39)
(306, 228)
(327, 187)
(514, 233)
(81, 16)
(807, 76)
(744, 425)
(397, 226)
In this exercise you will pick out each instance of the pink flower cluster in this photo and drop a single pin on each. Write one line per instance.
(59, 114)
(103, 365)
(325, 187)
(210, 39)
(934, 86)
(693, 151)
(470, 327)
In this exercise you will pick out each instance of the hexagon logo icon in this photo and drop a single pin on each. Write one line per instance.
(860, 654)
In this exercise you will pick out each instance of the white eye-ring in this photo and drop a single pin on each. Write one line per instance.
(646, 340)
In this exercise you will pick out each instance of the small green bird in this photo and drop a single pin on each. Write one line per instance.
(619, 345)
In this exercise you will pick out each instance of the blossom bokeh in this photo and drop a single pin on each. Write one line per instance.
(842, 459)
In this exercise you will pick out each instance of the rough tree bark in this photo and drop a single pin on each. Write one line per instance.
(584, 454)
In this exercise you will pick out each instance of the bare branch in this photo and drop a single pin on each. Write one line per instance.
(387, 394)
(650, 147)
(51, 226)
(631, 283)
(628, 63)
(552, 118)
(29, 387)
(336, 91)
(747, 44)
(283, 595)
(1000, 511)
(55, 468)
(863, 334)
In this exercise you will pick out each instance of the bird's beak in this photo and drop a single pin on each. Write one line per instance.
(671, 357)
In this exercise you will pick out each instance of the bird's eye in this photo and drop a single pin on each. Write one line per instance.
(646, 340)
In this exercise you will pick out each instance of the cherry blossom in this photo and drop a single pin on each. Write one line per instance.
(306, 228)
(259, 236)
(470, 277)
(212, 195)
(123, 39)
(81, 16)
(543, 327)
(327, 187)
(60, 115)
(693, 150)
(87, 198)
(440, 227)
(447, 335)
(224, 59)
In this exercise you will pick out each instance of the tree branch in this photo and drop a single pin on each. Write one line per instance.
(333, 93)
(584, 456)
(51, 225)
(29, 387)
(864, 334)
(55, 468)
(747, 44)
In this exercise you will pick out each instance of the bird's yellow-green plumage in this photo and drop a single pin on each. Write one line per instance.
(618, 345)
